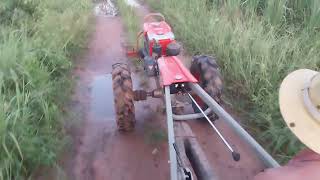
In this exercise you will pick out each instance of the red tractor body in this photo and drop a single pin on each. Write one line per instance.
(160, 51)
(172, 71)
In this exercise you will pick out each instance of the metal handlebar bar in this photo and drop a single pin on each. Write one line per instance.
(151, 15)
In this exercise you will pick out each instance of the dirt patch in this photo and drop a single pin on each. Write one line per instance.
(220, 158)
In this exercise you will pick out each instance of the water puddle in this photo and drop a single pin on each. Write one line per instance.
(105, 8)
(102, 104)
(132, 3)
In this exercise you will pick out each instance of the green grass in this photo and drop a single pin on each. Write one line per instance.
(257, 43)
(37, 40)
(130, 21)
(132, 26)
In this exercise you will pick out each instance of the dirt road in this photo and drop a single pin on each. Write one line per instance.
(100, 152)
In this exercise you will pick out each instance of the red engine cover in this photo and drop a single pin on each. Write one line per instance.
(159, 32)
(171, 68)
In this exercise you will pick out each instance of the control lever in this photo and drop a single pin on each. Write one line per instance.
(235, 155)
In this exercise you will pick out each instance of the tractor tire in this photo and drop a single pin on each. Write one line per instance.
(123, 97)
(206, 70)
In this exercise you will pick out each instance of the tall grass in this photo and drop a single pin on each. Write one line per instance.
(37, 39)
(132, 25)
(257, 43)
(130, 20)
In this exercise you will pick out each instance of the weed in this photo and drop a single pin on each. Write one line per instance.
(130, 19)
(37, 39)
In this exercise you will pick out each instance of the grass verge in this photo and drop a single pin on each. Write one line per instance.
(130, 20)
(132, 24)
(257, 43)
(37, 40)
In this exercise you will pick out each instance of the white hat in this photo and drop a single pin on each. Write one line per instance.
(299, 99)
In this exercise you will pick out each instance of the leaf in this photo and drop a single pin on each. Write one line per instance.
(16, 143)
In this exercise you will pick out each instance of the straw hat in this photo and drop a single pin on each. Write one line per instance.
(299, 98)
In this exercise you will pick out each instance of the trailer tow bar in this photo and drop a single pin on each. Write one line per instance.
(235, 155)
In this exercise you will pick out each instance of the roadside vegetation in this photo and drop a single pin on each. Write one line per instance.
(132, 25)
(130, 20)
(37, 40)
(257, 43)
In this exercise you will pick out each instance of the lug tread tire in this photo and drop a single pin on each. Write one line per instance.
(210, 76)
(123, 97)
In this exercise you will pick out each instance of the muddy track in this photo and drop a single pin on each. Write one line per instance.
(100, 152)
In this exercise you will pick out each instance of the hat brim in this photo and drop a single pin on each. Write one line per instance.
(294, 112)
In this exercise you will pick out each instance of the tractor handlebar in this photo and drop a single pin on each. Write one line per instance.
(152, 16)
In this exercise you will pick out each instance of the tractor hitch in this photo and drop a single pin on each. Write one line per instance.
(141, 95)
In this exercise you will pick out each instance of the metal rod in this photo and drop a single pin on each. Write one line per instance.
(262, 154)
(183, 117)
(171, 141)
(212, 125)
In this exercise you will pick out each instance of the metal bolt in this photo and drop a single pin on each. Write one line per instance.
(178, 77)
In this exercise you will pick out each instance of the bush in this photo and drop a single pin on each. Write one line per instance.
(36, 39)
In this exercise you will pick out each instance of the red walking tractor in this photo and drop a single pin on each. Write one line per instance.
(202, 84)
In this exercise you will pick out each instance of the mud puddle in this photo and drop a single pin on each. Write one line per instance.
(105, 8)
(102, 104)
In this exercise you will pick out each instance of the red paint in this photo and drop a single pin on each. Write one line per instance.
(171, 67)
(132, 53)
(156, 27)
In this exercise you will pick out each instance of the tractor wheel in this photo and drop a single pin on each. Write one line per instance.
(123, 97)
(206, 70)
